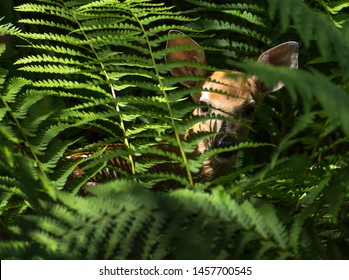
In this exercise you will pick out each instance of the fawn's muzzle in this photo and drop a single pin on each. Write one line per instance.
(225, 141)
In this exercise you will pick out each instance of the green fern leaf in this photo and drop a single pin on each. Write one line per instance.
(47, 23)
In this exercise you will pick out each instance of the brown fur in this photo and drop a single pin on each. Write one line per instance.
(226, 93)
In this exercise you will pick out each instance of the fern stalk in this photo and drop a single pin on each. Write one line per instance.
(117, 108)
(27, 142)
(162, 88)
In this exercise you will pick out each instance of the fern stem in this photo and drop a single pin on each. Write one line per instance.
(31, 149)
(162, 88)
(117, 108)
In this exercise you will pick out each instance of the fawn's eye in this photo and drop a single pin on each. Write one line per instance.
(249, 110)
(204, 108)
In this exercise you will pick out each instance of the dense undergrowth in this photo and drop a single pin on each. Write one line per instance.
(76, 76)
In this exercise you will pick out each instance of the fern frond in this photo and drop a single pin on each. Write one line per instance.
(305, 83)
(51, 59)
(47, 23)
(239, 147)
(221, 25)
(227, 6)
(98, 104)
(116, 209)
(335, 7)
(56, 49)
(8, 29)
(58, 38)
(69, 85)
(52, 10)
(328, 45)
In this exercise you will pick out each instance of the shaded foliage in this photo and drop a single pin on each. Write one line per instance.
(92, 74)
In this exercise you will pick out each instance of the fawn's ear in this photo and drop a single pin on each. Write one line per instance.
(284, 55)
(193, 53)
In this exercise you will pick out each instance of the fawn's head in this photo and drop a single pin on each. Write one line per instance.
(229, 95)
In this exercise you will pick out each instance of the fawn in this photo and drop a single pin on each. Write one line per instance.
(229, 95)
(225, 93)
